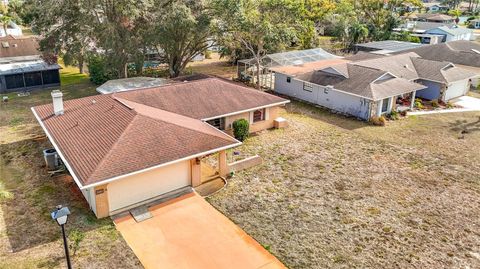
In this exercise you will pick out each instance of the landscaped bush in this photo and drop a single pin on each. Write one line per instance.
(450, 105)
(378, 121)
(418, 103)
(394, 115)
(241, 129)
(435, 103)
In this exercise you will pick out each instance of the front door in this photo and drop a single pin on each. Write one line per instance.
(209, 167)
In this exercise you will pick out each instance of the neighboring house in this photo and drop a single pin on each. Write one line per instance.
(438, 8)
(464, 54)
(376, 86)
(128, 148)
(436, 32)
(426, 17)
(129, 84)
(12, 29)
(452, 33)
(475, 23)
(386, 46)
(246, 69)
(21, 67)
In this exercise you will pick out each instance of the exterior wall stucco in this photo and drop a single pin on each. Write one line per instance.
(271, 114)
(326, 97)
(143, 186)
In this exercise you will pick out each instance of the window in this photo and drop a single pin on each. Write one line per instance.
(14, 81)
(33, 79)
(385, 104)
(259, 115)
(325, 90)
(218, 123)
(51, 77)
(308, 87)
(289, 79)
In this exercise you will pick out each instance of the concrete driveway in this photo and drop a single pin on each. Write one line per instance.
(187, 233)
(467, 102)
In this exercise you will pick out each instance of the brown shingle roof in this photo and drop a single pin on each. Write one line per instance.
(106, 136)
(202, 99)
(18, 47)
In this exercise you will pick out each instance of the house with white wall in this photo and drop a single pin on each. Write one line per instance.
(452, 33)
(129, 148)
(374, 87)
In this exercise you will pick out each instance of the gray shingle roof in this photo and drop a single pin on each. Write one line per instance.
(362, 81)
(390, 45)
(457, 52)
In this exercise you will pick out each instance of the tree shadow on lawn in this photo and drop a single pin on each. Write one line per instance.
(465, 127)
(35, 194)
(325, 115)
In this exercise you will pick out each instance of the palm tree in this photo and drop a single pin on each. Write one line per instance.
(456, 13)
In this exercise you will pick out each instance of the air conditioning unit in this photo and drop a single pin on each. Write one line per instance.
(52, 160)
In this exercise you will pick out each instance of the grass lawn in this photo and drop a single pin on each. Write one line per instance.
(337, 193)
(28, 237)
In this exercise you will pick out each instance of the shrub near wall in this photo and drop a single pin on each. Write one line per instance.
(241, 129)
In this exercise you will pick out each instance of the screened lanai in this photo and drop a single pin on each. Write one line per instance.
(246, 69)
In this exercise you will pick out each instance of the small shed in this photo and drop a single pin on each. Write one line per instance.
(129, 84)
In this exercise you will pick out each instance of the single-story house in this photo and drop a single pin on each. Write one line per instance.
(21, 67)
(452, 33)
(129, 84)
(386, 46)
(373, 87)
(464, 54)
(475, 23)
(437, 8)
(420, 28)
(128, 148)
(428, 17)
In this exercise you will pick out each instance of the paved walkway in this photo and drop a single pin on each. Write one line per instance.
(188, 233)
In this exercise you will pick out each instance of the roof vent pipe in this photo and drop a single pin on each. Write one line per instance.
(57, 97)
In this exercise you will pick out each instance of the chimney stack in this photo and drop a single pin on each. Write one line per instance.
(57, 97)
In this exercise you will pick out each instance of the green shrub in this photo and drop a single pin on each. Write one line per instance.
(418, 103)
(99, 71)
(394, 115)
(435, 103)
(241, 129)
(75, 237)
(450, 105)
(378, 121)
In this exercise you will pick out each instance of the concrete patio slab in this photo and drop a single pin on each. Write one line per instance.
(187, 232)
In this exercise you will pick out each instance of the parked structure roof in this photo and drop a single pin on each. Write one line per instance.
(453, 30)
(295, 57)
(128, 84)
(389, 46)
(26, 66)
(106, 136)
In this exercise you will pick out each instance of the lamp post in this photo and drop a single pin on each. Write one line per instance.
(61, 216)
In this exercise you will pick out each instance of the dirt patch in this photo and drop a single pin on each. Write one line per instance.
(334, 192)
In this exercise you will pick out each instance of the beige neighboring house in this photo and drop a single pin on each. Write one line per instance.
(129, 148)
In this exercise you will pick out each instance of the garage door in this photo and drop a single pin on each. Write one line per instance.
(141, 187)
(456, 89)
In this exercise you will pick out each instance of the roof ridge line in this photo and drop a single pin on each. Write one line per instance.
(100, 164)
(214, 132)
